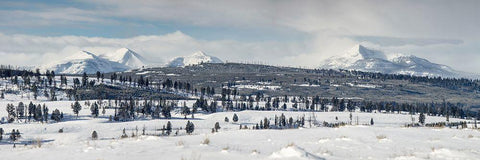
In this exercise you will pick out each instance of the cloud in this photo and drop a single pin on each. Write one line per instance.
(435, 29)
(397, 41)
(36, 50)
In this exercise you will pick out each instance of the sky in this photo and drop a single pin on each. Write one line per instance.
(276, 32)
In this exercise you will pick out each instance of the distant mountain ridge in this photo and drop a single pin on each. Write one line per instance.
(121, 60)
(126, 57)
(370, 60)
(84, 61)
(195, 58)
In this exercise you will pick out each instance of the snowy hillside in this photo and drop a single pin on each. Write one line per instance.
(387, 139)
(195, 58)
(365, 59)
(126, 57)
(121, 60)
(84, 61)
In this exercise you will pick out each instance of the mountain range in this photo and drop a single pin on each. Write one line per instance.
(369, 60)
(358, 58)
(122, 59)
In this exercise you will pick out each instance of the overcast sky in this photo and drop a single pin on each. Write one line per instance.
(290, 33)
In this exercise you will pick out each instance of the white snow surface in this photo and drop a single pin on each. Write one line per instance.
(121, 60)
(387, 139)
(84, 61)
(370, 60)
(126, 57)
(195, 58)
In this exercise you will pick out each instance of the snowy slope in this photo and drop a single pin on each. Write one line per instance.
(365, 59)
(84, 61)
(195, 58)
(126, 57)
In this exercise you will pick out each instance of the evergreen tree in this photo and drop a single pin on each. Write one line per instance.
(169, 128)
(84, 79)
(190, 127)
(94, 135)
(98, 76)
(31, 110)
(226, 119)
(217, 126)
(94, 110)
(45, 113)
(185, 110)
(266, 123)
(38, 113)
(56, 116)
(235, 117)
(11, 112)
(421, 118)
(76, 107)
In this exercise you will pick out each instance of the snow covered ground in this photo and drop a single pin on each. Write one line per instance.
(387, 139)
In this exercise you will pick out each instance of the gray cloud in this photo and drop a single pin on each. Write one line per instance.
(431, 27)
(36, 50)
(397, 41)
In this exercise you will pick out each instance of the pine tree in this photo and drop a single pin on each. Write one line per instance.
(94, 135)
(38, 113)
(94, 110)
(421, 118)
(185, 110)
(76, 108)
(45, 113)
(124, 134)
(266, 123)
(98, 76)
(217, 126)
(84, 79)
(169, 128)
(31, 110)
(235, 117)
(190, 127)
(56, 116)
(11, 112)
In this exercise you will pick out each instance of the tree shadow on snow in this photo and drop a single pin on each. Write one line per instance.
(25, 142)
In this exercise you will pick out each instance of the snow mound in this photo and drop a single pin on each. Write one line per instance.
(292, 152)
(195, 58)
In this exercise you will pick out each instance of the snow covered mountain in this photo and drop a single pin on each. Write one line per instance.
(364, 59)
(195, 58)
(126, 57)
(84, 61)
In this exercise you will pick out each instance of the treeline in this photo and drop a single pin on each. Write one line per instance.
(31, 112)
(450, 83)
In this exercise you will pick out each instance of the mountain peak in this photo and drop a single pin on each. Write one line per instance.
(126, 57)
(199, 53)
(361, 52)
(364, 59)
(84, 61)
(123, 50)
(195, 58)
